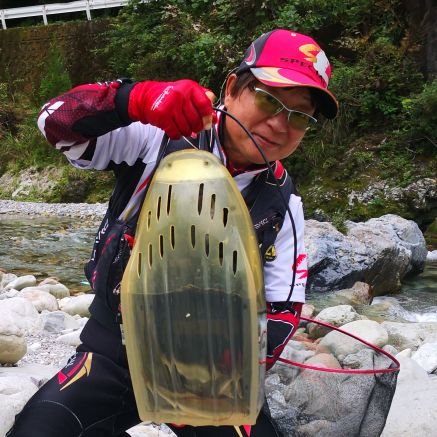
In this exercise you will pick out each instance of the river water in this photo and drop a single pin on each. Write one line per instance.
(60, 247)
(47, 247)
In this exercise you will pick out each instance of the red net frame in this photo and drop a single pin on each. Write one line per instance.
(333, 402)
(396, 368)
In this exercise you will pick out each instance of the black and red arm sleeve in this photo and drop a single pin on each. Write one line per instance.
(85, 113)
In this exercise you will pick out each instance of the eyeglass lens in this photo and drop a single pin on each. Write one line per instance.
(273, 106)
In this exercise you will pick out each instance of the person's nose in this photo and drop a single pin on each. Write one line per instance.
(279, 122)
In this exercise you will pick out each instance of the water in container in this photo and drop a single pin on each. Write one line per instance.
(193, 299)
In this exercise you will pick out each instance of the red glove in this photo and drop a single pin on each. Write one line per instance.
(282, 322)
(179, 108)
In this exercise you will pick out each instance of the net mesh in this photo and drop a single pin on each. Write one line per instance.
(323, 391)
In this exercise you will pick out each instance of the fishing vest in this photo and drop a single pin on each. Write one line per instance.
(266, 200)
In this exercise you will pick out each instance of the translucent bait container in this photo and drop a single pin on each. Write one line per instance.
(193, 299)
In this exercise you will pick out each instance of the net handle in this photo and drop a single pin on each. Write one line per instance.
(355, 371)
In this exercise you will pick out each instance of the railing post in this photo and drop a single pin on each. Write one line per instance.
(88, 11)
(44, 15)
(2, 13)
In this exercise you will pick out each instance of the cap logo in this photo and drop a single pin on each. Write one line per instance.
(251, 57)
(319, 59)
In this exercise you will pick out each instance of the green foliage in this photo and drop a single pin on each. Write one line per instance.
(162, 40)
(56, 78)
(8, 116)
(81, 186)
(3, 94)
(338, 219)
(27, 147)
(385, 129)
(372, 89)
(421, 115)
(431, 234)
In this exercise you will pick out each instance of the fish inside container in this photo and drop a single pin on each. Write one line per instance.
(192, 299)
(194, 363)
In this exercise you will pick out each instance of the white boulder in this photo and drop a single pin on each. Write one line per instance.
(17, 316)
(58, 290)
(17, 385)
(413, 411)
(21, 282)
(12, 348)
(342, 345)
(58, 321)
(41, 299)
(410, 335)
(5, 279)
(426, 357)
(71, 338)
(77, 305)
(338, 316)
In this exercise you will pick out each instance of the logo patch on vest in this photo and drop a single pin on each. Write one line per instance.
(78, 366)
(270, 254)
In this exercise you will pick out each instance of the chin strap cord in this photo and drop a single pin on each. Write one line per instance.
(272, 173)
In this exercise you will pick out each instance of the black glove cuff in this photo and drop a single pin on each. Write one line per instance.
(282, 307)
(122, 100)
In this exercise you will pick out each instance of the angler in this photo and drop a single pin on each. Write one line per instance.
(123, 127)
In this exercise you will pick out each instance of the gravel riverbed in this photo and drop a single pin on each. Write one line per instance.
(81, 210)
(43, 348)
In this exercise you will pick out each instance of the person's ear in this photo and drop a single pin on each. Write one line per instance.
(229, 86)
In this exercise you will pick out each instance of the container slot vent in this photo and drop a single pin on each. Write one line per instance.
(161, 246)
(172, 237)
(235, 261)
(158, 209)
(193, 236)
(150, 255)
(212, 210)
(169, 199)
(225, 216)
(221, 253)
(149, 219)
(139, 261)
(207, 244)
(200, 198)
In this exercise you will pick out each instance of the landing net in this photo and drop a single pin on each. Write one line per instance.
(337, 386)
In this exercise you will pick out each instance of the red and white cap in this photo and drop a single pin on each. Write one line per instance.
(284, 58)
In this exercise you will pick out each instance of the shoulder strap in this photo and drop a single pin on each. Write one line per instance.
(267, 203)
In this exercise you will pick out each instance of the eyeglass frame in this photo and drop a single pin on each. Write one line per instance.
(311, 119)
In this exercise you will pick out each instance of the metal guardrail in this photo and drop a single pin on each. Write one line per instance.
(59, 8)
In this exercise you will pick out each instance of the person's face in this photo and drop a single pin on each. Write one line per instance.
(276, 137)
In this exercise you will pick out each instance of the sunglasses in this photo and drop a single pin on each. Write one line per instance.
(271, 105)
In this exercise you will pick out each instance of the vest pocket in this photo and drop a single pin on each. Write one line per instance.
(110, 255)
